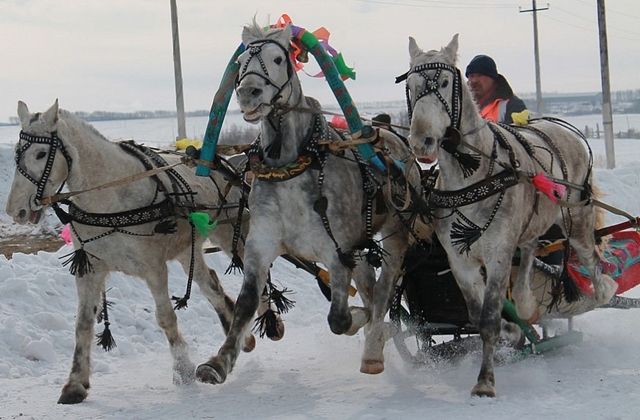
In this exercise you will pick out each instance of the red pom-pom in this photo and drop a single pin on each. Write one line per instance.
(551, 189)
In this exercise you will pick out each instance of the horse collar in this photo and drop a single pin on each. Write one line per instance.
(308, 156)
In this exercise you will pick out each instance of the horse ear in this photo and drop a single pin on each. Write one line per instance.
(414, 49)
(451, 50)
(51, 115)
(23, 113)
(247, 37)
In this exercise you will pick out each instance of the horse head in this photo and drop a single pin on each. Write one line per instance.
(266, 81)
(433, 96)
(38, 172)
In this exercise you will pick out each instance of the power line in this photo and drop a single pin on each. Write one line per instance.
(610, 11)
(443, 4)
(593, 21)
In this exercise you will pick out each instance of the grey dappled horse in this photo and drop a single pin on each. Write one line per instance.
(56, 147)
(483, 214)
(315, 212)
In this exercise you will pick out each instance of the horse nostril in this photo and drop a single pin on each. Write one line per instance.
(256, 92)
(429, 141)
(22, 214)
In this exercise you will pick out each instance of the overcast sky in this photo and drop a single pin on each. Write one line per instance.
(117, 55)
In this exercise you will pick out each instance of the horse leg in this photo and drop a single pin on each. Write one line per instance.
(582, 240)
(373, 357)
(339, 318)
(491, 322)
(256, 269)
(211, 288)
(89, 289)
(157, 281)
(471, 282)
(365, 278)
(526, 304)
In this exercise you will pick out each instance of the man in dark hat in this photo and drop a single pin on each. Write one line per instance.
(384, 121)
(491, 90)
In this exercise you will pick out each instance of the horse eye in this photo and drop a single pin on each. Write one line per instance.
(445, 83)
(278, 60)
(41, 155)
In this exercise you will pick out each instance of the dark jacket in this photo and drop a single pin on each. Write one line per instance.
(504, 92)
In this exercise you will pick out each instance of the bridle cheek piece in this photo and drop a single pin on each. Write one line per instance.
(255, 49)
(54, 144)
(432, 86)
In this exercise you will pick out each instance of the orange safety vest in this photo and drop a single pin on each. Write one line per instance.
(495, 111)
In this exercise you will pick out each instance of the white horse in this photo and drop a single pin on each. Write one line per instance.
(486, 206)
(310, 203)
(119, 228)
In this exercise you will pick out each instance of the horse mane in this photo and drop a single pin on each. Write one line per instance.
(257, 31)
(72, 118)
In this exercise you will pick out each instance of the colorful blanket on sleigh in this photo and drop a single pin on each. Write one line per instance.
(620, 260)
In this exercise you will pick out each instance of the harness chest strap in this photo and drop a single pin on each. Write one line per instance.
(474, 193)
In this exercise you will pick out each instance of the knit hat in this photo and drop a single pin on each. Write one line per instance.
(381, 119)
(482, 64)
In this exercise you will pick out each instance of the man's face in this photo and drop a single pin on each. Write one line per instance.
(480, 84)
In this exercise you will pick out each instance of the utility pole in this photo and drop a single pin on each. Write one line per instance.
(177, 70)
(536, 54)
(607, 118)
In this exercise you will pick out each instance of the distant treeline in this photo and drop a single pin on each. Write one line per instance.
(137, 115)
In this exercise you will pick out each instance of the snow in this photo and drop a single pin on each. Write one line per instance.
(310, 373)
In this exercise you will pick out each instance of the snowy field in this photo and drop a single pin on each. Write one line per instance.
(311, 373)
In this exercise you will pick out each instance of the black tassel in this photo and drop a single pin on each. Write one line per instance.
(79, 260)
(166, 227)
(181, 303)
(267, 324)
(236, 263)
(375, 254)
(464, 235)
(468, 162)
(570, 289)
(102, 315)
(274, 149)
(347, 258)
(278, 298)
(105, 338)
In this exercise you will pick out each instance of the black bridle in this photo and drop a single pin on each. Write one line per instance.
(432, 85)
(54, 144)
(255, 50)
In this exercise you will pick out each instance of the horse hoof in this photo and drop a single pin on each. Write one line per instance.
(211, 373)
(72, 394)
(534, 317)
(180, 379)
(249, 343)
(359, 318)
(483, 390)
(280, 334)
(371, 367)
(607, 289)
(339, 324)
